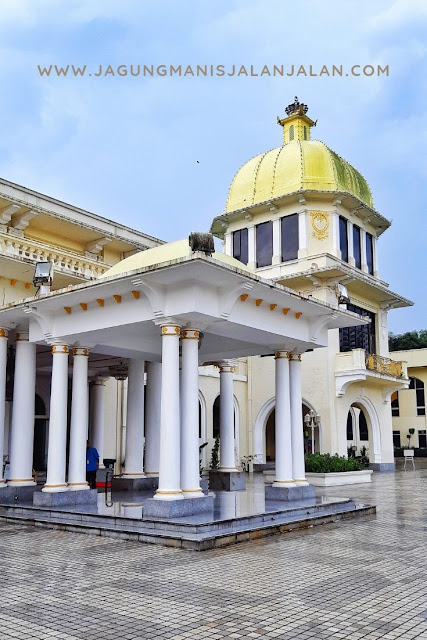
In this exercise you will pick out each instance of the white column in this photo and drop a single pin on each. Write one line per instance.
(297, 432)
(190, 474)
(350, 243)
(228, 244)
(134, 448)
(226, 418)
(302, 234)
(79, 421)
(251, 247)
(170, 455)
(22, 427)
(97, 430)
(336, 233)
(277, 242)
(284, 473)
(3, 363)
(364, 263)
(152, 418)
(56, 453)
(375, 252)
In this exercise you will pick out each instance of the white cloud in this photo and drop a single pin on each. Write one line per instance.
(400, 14)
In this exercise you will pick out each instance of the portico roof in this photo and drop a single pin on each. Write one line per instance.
(239, 313)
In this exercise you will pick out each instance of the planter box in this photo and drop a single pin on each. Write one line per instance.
(340, 478)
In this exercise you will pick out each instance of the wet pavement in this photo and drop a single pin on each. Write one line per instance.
(363, 578)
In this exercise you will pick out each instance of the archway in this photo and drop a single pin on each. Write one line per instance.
(264, 432)
(363, 426)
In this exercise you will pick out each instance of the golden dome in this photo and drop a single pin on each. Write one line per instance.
(164, 253)
(300, 164)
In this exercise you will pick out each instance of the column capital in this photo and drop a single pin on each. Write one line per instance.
(60, 348)
(171, 330)
(80, 351)
(227, 366)
(190, 334)
(295, 357)
(22, 336)
(4, 333)
(282, 354)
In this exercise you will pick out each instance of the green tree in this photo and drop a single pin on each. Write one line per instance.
(214, 464)
(408, 340)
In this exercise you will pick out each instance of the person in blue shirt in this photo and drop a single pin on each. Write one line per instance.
(92, 465)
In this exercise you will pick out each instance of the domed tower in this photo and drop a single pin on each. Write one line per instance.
(303, 216)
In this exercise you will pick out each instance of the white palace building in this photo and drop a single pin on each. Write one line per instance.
(154, 349)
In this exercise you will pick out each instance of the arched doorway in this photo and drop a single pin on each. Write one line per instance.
(265, 433)
(40, 435)
(363, 430)
(270, 437)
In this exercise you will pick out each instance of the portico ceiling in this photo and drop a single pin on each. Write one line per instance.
(239, 313)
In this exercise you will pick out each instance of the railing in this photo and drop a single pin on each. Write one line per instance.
(386, 366)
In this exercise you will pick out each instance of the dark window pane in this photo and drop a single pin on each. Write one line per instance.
(363, 427)
(343, 239)
(422, 439)
(290, 241)
(349, 427)
(264, 244)
(357, 252)
(370, 253)
(359, 337)
(395, 404)
(240, 245)
(396, 438)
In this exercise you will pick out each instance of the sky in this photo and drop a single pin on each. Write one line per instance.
(159, 153)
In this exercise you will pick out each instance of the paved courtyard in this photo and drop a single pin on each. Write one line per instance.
(365, 578)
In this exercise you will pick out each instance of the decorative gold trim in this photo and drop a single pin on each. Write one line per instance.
(298, 315)
(4, 333)
(20, 480)
(169, 493)
(244, 297)
(284, 481)
(320, 224)
(300, 480)
(100, 302)
(117, 298)
(80, 351)
(28, 285)
(282, 354)
(272, 307)
(190, 334)
(67, 310)
(60, 348)
(83, 306)
(285, 311)
(136, 294)
(75, 484)
(296, 357)
(192, 490)
(51, 486)
(226, 368)
(170, 330)
(13, 282)
(259, 302)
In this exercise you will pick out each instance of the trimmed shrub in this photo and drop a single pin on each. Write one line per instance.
(325, 463)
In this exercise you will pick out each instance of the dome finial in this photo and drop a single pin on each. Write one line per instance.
(296, 107)
(296, 125)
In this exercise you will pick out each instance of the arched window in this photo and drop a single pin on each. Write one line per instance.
(349, 426)
(291, 132)
(418, 386)
(363, 427)
(305, 133)
(395, 404)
